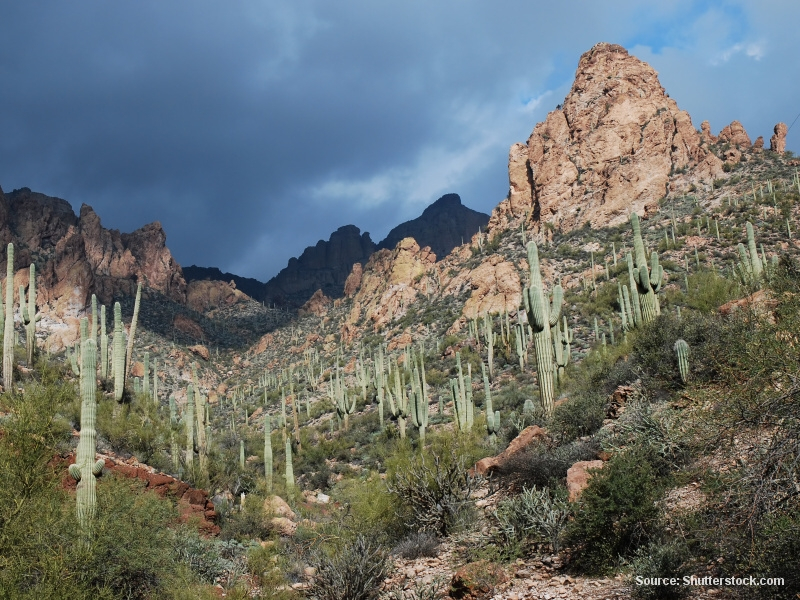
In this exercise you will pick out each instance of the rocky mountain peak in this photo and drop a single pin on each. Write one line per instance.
(442, 226)
(609, 149)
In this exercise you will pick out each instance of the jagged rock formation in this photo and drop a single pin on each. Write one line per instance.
(390, 282)
(324, 266)
(735, 135)
(252, 287)
(777, 143)
(609, 150)
(442, 226)
(76, 256)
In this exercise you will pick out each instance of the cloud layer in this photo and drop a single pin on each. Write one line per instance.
(251, 130)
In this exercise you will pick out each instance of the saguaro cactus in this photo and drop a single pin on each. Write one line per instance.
(118, 362)
(419, 408)
(86, 468)
(492, 416)
(682, 350)
(134, 321)
(103, 344)
(648, 280)
(8, 331)
(542, 315)
(29, 315)
(188, 419)
(289, 468)
(268, 451)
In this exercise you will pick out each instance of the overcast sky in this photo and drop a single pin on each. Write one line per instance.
(253, 128)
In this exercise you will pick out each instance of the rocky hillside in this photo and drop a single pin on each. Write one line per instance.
(442, 226)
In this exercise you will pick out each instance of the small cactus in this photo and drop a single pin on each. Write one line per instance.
(682, 350)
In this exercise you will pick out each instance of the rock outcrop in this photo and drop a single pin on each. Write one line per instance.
(252, 287)
(76, 256)
(391, 281)
(193, 504)
(324, 266)
(777, 143)
(608, 150)
(205, 295)
(735, 135)
(442, 226)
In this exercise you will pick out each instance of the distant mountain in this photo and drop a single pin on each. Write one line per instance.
(444, 225)
(252, 287)
(324, 266)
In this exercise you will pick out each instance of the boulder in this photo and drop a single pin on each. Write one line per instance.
(578, 476)
(527, 437)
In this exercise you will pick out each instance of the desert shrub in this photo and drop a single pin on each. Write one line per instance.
(247, 523)
(201, 555)
(660, 559)
(130, 553)
(418, 544)
(540, 514)
(370, 507)
(654, 430)
(653, 352)
(353, 571)
(434, 485)
(543, 466)
(580, 416)
(615, 514)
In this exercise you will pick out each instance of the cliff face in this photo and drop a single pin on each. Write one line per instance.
(608, 150)
(442, 226)
(324, 267)
(76, 256)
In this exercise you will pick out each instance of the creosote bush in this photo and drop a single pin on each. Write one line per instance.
(615, 515)
(353, 571)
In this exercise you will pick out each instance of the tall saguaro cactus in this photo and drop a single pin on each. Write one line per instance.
(86, 468)
(8, 331)
(29, 315)
(268, 451)
(118, 360)
(103, 344)
(134, 321)
(542, 315)
(647, 280)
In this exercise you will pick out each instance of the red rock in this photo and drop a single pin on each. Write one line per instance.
(353, 281)
(735, 135)
(609, 150)
(527, 437)
(200, 350)
(578, 476)
(316, 305)
(476, 581)
(759, 143)
(195, 497)
(777, 143)
(705, 133)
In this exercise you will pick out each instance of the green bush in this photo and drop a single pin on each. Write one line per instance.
(354, 571)
(434, 485)
(658, 560)
(615, 514)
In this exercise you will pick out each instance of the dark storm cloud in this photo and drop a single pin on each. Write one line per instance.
(253, 129)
